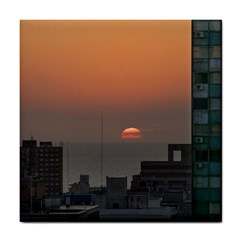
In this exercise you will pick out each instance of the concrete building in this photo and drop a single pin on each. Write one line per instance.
(82, 187)
(41, 170)
(170, 181)
(175, 173)
(138, 198)
(207, 118)
(116, 192)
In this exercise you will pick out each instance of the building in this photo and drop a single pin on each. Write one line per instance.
(82, 187)
(138, 198)
(116, 192)
(207, 118)
(170, 181)
(41, 170)
(161, 176)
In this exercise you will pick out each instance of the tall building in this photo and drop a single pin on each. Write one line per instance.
(207, 118)
(41, 165)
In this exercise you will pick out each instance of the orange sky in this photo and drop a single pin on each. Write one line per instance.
(72, 69)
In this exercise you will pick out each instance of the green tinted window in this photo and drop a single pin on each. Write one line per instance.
(200, 103)
(201, 194)
(215, 155)
(215, 38)
(215, 117)
(215, 194)
(202, 156)
(201, 208)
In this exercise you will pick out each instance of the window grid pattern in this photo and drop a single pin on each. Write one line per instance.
(206, 117)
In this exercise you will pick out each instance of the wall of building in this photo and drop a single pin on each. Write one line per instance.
(116, 192)
(43, 166)
(207, 117)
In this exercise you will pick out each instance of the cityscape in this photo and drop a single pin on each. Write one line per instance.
(144, 147)
(161, 191)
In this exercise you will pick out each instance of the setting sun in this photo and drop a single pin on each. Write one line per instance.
(131, 133)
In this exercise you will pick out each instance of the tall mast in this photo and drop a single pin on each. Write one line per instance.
(67, 167)
(101, 146)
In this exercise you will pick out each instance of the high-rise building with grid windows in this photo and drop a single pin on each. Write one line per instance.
(42, 165)
(207, 119)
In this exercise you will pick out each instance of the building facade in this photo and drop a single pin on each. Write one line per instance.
(116, 192)
(82, 187)
(41, 165)
(207, 118)
(170, 181)
(174, 174)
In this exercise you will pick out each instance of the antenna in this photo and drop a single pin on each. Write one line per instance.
(101, 146)
(67, 167)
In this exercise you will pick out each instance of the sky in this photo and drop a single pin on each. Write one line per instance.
(137, 72)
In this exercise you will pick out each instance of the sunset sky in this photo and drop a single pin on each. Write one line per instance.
(138, 72)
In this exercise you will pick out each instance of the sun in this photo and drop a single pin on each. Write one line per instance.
(131, 133)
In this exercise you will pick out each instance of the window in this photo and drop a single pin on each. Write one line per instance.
(215, 116)
(215, 208)
(200, 182)
(215, 38)
(215, 129)
(215, 52)
(201, 194)
(177, 155)
(200, 52)
(215, 182)
(200, 78)
(215, 25)
(215, 155)
(215, 142)
(200, 90)
(215, 90)
(215, 194)
(202, 170)
(215, 78)
(215, 168)
(201, 41)
(200, 129)
(200, 116)
(201, 209)
(200, 65)
(215, 104)
(200, 25)
(215, 65)
(202, 156)
(200, 103)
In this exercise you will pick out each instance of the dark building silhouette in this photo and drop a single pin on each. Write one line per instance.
(81, 187)
(41, 171)
(175, 173)
(171, 180)
(116, 192)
